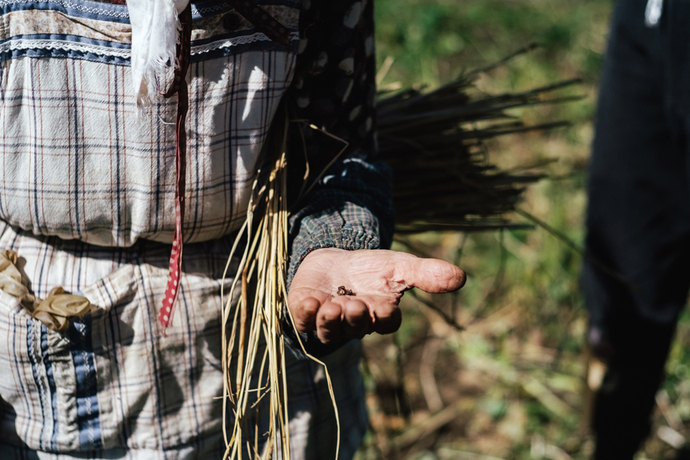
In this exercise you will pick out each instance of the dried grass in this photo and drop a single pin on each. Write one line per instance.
(256, 323)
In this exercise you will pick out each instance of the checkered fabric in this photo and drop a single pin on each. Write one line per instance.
(77, 161)
(112, 385)
(86, 200)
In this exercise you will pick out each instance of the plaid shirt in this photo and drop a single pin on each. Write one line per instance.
(87, 203)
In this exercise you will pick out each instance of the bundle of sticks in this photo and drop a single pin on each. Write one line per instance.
(434, 142)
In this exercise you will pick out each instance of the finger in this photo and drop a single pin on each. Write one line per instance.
(304, 314)
(356, 319)
(387, 318)
(433, 275)
(329, 322)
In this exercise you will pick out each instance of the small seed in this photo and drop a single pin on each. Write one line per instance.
(342, 290)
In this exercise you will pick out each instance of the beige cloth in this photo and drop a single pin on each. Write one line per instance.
(54, 311)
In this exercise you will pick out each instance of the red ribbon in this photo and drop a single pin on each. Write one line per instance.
(275, 31)
(179, 87)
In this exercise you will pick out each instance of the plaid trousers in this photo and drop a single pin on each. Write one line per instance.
(113, 387)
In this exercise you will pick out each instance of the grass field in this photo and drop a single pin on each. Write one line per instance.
(510, 385)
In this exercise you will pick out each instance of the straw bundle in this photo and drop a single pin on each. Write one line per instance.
(433, 141)
(255, 323)
(256, 342)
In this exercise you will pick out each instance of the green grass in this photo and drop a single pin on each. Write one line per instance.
(515, 374)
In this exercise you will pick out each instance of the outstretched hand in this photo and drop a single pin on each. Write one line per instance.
(349, 294)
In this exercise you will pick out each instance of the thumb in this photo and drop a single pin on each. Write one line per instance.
(434, 275)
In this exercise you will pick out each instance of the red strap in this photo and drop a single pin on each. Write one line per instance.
(180, 87)
(275, 31)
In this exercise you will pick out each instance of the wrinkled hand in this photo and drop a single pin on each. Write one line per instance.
(376, 279)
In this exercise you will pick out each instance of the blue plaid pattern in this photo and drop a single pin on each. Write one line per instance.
(114, 384)
(77, 161)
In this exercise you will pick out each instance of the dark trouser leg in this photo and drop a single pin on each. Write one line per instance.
(638, 225)
(623, 404)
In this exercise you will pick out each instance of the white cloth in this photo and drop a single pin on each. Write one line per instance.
(155, 34)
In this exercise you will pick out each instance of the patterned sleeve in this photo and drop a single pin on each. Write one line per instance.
(334, 89)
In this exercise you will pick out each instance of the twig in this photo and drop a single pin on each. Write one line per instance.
(671, 437)
(401, 394)
(450, 321)
(539, 449)
(383, 71)
(511, 56)
(459, 252)
(243, 331)
(427, 426)
(330, 163)
(456, 454)
(427, 377)
(668, 411)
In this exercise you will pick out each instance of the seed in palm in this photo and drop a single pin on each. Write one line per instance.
(342, 290)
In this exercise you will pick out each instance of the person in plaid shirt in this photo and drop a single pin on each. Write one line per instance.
(87, 203)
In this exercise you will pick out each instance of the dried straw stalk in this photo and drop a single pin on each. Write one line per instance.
(256, 323)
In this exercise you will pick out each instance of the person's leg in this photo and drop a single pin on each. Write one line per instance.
(637, 227)
(624, 402)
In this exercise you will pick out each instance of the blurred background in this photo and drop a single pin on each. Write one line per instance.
(498, 370)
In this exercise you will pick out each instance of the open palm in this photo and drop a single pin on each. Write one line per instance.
(348, 294)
